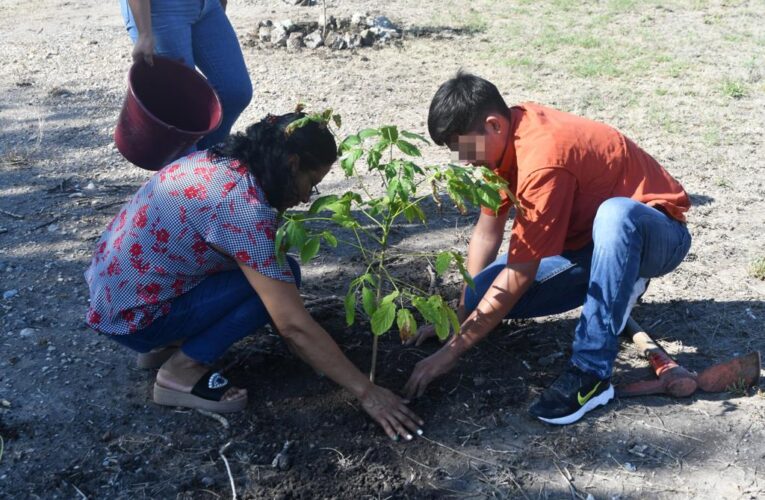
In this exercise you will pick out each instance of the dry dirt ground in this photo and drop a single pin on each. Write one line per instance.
(684, 78)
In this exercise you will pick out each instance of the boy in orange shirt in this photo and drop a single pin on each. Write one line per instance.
(597, 217)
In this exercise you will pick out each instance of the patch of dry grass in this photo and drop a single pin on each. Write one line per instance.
(757, 268)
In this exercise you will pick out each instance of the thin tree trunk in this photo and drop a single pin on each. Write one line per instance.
(374, 359)
(324, 28)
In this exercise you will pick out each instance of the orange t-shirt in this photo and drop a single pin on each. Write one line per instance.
(561, 167)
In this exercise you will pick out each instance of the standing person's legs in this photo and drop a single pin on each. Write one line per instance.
(171, 22)
(198, 33)
(219, 57)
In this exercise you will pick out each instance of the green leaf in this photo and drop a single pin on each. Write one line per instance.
(389, 171)
(442, 329)
(350, 307)
(488, 197)
(349, 142)
(281, 233)
(322, 203)
(309, 250)
(367, 278)
(352, 196)
(300, 122)
(368, 301)
(441, 319)
(390, 297)
(413, 211)
(393, 186)
(368, 132)
(406, 189)
(329, 238)
(463, 270)
(455, 322)
(457, 198)
(413, 136)
(425, 309)
(295, 234)
(373, 159)
(442, 262)
(344, 221)
(408, 148)
(407, 325)
(407, 168)
(389, 133)
(383, 318)
(348, 162)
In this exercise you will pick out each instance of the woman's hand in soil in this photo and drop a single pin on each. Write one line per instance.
(429, 369)
(391, 413)
(144, 49)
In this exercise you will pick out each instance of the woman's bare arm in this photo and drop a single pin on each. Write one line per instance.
(314, 345)
(144, 45)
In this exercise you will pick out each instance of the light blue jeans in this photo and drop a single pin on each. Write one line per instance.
(199, 33)
(631, 243)
(209, 318)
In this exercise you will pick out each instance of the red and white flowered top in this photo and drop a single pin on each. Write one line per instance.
(158, 245)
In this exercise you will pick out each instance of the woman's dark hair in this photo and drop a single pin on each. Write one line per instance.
(265, 148)
(461, 104)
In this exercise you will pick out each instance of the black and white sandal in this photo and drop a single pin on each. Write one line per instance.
(205, 395)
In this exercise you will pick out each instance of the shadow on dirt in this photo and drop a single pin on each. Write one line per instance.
(441, 32)
(698, 200)
(45, 160)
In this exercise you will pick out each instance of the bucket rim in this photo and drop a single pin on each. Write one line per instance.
(198, 75)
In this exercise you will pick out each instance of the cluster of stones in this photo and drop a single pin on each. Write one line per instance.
(360, 30)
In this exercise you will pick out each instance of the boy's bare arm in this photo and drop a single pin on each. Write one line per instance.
(485, 241)
(509, 286)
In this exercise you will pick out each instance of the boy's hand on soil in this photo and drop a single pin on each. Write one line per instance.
(144, 49)
(427, 370)
(391, 413)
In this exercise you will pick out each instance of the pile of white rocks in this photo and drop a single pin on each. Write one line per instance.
(360, 30)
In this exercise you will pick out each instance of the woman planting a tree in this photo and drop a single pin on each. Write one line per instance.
(188, 267)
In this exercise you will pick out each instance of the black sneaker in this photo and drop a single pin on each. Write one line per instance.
(573, 394)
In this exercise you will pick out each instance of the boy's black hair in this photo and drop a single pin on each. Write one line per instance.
(460, 105)
(264, 148)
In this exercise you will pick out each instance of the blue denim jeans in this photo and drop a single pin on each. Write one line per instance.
(207, 319)
(199, 33)
(631, 243)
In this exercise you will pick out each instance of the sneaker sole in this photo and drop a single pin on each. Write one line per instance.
(599, 400)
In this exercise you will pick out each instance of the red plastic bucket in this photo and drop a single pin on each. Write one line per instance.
(168, 108)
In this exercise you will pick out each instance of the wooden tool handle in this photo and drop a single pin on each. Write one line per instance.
(660, 361)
